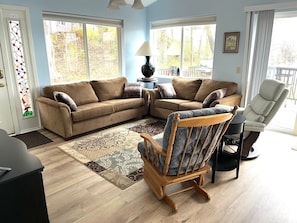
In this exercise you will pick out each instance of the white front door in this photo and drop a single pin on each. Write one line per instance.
(18, 82)
(6, 119)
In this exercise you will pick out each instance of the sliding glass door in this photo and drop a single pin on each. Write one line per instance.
(282, 66)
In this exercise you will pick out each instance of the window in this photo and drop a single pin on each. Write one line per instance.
(21, 74)
(185, 47)
(81, 48)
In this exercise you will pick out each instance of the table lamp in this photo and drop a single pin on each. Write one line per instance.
(146, 50)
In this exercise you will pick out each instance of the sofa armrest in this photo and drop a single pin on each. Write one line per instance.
(146, 97)
(232, 100)
(55, 116)
(154, 94)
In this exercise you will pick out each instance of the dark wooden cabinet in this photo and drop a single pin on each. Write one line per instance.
(22, 196)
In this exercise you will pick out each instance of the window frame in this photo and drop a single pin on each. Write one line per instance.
(85, 20)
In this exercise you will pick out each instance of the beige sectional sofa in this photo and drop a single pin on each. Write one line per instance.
(185, 94)
(76, 108)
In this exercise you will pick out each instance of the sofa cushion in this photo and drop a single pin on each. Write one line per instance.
(166, 90)
(65, 98)
(124, 104)
(214, 95)
(81, 92)
(91, 110)
(209, 85)
(132, 90)
(109, 88)
(170, 104)
(191, 86)
(190, 105)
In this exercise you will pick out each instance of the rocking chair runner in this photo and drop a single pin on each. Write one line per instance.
(182, 155)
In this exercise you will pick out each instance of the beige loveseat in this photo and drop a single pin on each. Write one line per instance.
(188, 94)
(94, 104)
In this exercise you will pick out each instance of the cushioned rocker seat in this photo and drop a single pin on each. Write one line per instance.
(182, 154)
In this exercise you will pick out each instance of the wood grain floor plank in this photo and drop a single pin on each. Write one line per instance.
(264, 192)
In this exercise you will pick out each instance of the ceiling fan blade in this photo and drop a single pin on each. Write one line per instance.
(137, 4)
(113, 5)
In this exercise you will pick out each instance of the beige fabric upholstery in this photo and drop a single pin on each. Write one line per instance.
(91, 114)
(110, 88)
(186, 88)
(82, 93)
(172, 104)
(127, 103)
(209, 85)
(91, 110)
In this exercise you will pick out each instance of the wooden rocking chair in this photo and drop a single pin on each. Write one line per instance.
(182, 154)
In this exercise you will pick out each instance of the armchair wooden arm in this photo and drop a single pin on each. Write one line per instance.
(155, 146)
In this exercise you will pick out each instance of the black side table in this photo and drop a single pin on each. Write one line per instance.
(224, 160)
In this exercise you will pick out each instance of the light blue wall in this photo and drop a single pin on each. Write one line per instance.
(230, 17)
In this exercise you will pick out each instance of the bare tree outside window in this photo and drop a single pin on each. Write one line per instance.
(185, 50)
(80, 51)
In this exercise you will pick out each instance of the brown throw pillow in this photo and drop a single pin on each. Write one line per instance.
(186, 88)
(209, 85)
(65, 98)
(166, 90)
(109, 88)
(215, 95)
(132, 90)
(77, 91)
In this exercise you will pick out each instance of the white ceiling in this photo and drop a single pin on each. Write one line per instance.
(144, 2)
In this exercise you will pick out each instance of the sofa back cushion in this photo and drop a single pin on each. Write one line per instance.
(110, 88)
(81, 92)
(185, 88)
(209, 85)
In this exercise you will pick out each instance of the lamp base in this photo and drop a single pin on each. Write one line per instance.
(148, 69)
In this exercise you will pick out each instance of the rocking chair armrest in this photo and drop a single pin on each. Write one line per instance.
(154, 144)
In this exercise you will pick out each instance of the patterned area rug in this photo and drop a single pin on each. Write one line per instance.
(112, 153)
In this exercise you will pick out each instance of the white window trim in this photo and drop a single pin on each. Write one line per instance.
(183, 22)
(82, 19)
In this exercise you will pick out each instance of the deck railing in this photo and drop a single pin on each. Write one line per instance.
(193, 72)
(287, 75)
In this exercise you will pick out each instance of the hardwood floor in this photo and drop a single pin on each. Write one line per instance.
(266, 190)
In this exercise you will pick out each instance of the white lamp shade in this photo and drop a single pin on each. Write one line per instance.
(137, 4)
(146, 49)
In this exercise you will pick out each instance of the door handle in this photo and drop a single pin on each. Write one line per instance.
(2, 85)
